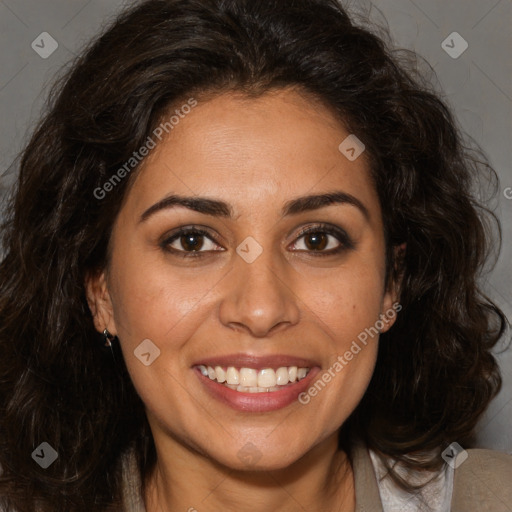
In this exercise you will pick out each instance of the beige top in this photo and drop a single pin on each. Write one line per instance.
(482, 483)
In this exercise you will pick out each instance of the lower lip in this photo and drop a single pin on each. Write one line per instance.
(257, 402)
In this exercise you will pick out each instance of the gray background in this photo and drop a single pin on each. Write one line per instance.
(477, 85)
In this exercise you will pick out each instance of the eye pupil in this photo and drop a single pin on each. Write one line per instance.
(191, 241)
(316, 241)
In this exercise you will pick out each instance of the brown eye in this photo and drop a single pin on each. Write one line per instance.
(316, 241)
(190, 242)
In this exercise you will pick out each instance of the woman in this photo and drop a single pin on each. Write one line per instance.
(240, 274)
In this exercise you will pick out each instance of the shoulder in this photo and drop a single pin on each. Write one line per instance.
(483, 480)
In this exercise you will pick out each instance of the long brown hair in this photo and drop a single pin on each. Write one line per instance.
(435, 373)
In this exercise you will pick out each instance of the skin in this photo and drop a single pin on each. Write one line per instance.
(255, 154)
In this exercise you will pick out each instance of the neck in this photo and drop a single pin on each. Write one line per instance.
(183, 479)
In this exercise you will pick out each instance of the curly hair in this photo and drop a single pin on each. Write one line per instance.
(435, 373)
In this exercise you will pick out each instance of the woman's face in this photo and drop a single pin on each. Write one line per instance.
(253, 293)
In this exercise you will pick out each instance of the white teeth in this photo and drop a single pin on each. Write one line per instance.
(248, 377)
(267, 378)
(249, 380)
(301, 373)
(282, 376)
(254, 389)
(220, 373)
(232, 376)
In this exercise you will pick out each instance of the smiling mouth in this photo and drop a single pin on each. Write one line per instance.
(251, 380)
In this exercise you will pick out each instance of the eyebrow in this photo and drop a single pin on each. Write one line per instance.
(218, 208)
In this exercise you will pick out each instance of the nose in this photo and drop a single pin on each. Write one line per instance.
(259, 297)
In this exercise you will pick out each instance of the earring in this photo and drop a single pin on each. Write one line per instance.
(108, 338)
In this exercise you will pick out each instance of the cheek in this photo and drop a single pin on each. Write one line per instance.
(156, 302)
(348, 301)
(347, 305)
(149, 296)
(350, 315)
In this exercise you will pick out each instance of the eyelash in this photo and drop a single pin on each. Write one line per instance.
(346, 243)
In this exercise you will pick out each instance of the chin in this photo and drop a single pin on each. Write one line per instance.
(250, 458)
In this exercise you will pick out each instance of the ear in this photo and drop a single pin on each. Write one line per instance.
(100, 303)
(390, 301)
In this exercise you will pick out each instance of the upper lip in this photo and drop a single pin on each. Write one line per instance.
(257, 362)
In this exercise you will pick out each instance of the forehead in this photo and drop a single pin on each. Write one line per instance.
(253, 153)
